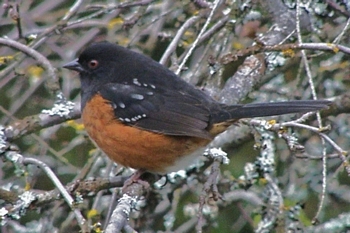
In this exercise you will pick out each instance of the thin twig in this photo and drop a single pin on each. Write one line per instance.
(41, 59)
(172, 46)
(318, 115)
(195, 43)
(73, 10)
(18, 21)
(70, 201)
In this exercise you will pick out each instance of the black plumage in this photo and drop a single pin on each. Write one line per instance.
(145, 94)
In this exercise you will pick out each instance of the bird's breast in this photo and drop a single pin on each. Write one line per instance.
(133, 147)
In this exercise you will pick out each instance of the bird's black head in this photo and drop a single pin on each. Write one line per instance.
(98, 62)
(110, 63)
(97, 66)
(104, 63)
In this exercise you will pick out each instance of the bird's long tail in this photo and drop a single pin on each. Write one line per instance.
(270, 109)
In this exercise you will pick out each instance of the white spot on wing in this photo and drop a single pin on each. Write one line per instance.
(136, 82)
(121, 104)
(137, 96)
(114, 88)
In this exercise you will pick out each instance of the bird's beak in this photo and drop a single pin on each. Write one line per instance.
(74, 65)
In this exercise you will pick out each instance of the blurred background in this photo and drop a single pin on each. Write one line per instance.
(231, 60)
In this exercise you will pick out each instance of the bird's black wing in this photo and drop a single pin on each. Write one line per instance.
(170, 112)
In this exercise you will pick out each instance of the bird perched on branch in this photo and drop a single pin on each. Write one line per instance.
(145, 117)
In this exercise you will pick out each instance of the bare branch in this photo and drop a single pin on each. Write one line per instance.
(43, 61)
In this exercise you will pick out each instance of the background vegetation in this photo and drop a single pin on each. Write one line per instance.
(292, 176)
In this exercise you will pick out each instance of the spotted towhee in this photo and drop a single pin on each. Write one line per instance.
(144, 116)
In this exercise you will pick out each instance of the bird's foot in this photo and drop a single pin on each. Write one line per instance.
(135, 178)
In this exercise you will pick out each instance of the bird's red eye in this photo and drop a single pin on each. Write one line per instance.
(93, 64)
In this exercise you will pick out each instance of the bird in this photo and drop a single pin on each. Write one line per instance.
(144, 116)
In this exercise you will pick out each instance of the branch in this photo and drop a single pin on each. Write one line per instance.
(201, 33)
(232, 57)
(85, 188)
(172, 46)
(120, 216)
(45, 119)
(28, 197)
(339, 224)
(210, 186)
(42, 60)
